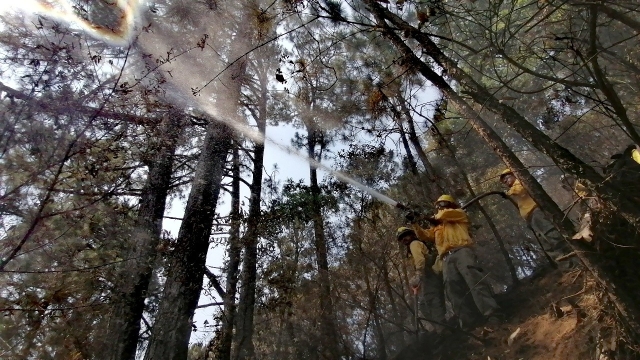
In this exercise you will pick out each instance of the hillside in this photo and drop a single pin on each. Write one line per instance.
(553, 316)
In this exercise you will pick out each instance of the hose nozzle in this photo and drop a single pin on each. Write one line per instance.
(402, 206)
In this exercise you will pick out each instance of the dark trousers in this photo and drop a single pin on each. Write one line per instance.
(551, 240)
(464, 281)
(431, 299)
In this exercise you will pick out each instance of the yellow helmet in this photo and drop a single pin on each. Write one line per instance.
(505, 172)
(446, 197)
(402, 231)
(635, 155)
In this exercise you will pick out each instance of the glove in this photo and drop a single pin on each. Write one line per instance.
(432, 220)
(411, 216)
(414, 282)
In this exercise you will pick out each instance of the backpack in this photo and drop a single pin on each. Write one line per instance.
(433, 261)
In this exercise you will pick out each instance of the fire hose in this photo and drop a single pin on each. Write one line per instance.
(432, 220)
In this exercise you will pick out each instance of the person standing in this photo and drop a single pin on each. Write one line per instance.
(461, 274)
(552, 242)
(425, 282)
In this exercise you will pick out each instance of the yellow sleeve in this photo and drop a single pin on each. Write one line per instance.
(452, 216)
(516, 189)
(424, 234)
(581, 190)
(418, 252)
(635, 154)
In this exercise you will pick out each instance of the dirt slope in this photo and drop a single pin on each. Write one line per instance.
(555, 316)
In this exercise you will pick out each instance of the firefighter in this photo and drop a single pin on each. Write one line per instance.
(552, 242)
(463, 278)
(425, 281)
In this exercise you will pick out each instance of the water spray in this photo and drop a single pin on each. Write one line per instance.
(262, 138)
(121, 35)
(63, 10)
(339, 175)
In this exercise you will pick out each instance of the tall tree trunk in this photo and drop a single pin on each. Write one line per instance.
(121, 338)
(235, 247)
(434, 188)
(405, 143)
(415, 141)
(246, 306)
(230, 100)
(172, 328)
(329, 338)
(562, 157)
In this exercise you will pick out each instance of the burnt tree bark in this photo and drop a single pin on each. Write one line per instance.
(171, 331)
(405, 143)
(121, 337)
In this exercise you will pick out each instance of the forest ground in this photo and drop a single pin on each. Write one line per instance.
(556, 316)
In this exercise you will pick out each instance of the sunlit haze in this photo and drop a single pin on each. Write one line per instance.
(118, 33)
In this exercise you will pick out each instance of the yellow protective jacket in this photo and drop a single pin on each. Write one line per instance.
(522, 198)
(451, 233)
(581, 190)
(418, 254)
(635, 155)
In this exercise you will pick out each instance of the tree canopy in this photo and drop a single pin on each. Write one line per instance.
(113, 113)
